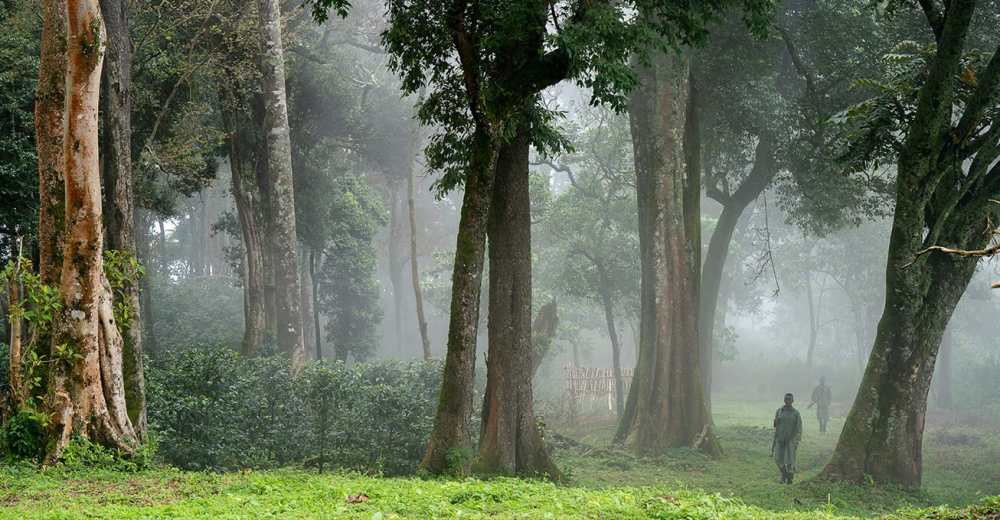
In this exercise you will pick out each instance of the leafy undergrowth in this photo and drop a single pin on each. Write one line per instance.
(961, 464)
(66, 493)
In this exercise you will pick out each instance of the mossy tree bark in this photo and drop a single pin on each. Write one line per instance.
(49, 116)
(287, 294)
(733, 205)
(946, 176)
(86, 389)
(509, 442)
(450, 443)
(494, 90)
(120, 219)
(666, 407)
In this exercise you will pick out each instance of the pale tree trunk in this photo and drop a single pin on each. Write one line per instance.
(120, 218)
(943, 373)
(509, 442)
(414, 268)
(86, 388)
(288, 294)
(396, 252)
(733, 206)
(666, 407)
(13, 298)
(315, 304)
(310, 332)
(451, 423)
(860, 336)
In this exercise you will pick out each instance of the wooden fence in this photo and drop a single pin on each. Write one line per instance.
(595, 383)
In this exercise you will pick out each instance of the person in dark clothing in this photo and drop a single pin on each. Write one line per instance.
(787, 435)
(822, 398)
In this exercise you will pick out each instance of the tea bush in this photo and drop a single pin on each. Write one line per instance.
(213, 409)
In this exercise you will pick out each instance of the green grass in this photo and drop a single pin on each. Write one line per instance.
(961, 460)
(63, 493)
(961, 464)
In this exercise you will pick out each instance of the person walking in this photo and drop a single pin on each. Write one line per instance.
(787, 435)
(822, 398)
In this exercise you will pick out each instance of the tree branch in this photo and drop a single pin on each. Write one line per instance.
(934, 18)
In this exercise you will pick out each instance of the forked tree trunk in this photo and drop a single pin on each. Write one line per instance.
(450, 443)
(883, 434)
(120, 218)
(733, 206)
(666, 407)
(509, 442)
(86, 388)
(288, 294)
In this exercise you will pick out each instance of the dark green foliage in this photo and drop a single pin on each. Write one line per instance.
(213, 409)
(20, 34)
(348, 291)
(21, 437)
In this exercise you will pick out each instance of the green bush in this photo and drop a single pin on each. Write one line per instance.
(21, 437)
(213, 409)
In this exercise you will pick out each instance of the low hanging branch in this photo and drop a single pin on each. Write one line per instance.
(981, 253)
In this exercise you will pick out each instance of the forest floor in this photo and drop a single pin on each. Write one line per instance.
(961, 461)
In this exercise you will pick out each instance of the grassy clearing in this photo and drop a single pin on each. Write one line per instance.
(961, 464)
(60, 493)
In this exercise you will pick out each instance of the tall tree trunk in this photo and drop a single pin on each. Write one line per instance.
(813, 326)
(395, 253)
(883, 434)
(315, 304)
(86, 388)
(733, 206)
(310, 332)
(616, 347)
(509, 442)
(288, 294)
(666, 407)
(14, 340)
(414, 268)
(450, 434)
(164, 261)
(860, 329)
(943, 374)
(120, 218)
(240, 119)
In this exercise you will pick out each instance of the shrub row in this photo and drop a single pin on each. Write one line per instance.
(212, 409)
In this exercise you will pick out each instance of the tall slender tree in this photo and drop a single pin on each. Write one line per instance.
(284, 241)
